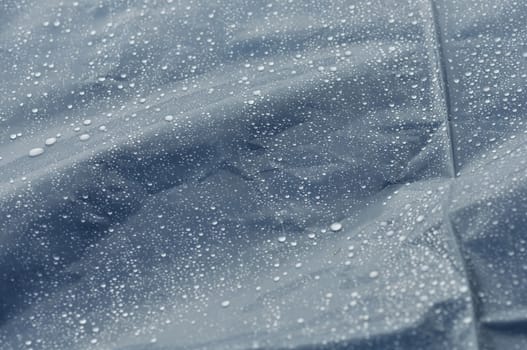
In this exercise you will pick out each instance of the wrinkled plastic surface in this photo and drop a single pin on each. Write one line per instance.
(224, 140)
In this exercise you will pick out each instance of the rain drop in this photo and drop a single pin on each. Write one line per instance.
(84, 137)
(34, 152)
(50, 141)
(335, 227)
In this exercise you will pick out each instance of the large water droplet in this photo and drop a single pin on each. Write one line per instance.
(34, 152)
(84, 137)
(336, 226)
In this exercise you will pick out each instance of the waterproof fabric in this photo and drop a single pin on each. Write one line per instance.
(317, 174)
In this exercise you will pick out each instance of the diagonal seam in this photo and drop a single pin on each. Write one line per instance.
(443, 81)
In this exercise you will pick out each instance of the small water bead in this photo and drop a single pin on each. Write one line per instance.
(84, 137)
(335, 227)
(34, 152)
(225, 303)
(169, 118)
(102, 128)
(50, 141)
(86, 122)
(420, 218)
(374, 274)
(281, 239)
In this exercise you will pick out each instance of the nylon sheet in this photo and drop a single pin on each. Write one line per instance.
(293, 174)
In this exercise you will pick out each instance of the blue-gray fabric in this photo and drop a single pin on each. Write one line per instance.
(297, 174)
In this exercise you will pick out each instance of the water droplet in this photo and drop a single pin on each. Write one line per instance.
(169, 118)
(84, 137)
(34, 152)
(225, 303)
(335, 227)
(50, 141)
(420, 218)
(374, 274)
